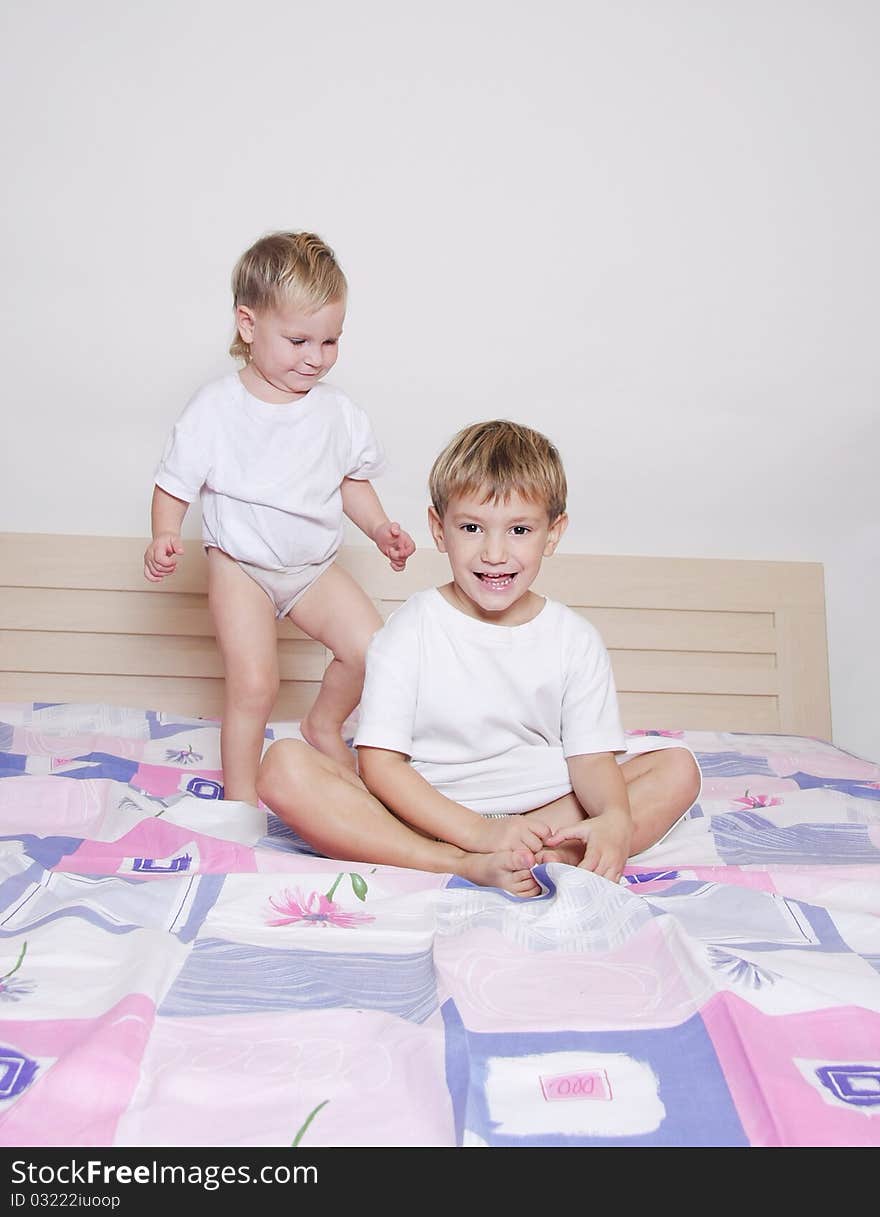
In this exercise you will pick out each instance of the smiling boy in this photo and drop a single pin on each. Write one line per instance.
(489, 736)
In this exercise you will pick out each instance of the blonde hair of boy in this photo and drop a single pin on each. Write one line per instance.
(296, 268)
(502, 458)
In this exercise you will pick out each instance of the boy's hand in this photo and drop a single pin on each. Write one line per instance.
(607, 839)
(514, 832)
(394, 543)
(160, 556)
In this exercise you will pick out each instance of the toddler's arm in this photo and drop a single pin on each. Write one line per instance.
(394, 782)
(361, 504)
(160, 556)
(601, 791)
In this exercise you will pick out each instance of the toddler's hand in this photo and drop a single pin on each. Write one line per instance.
(394, 543)
(160, 556)
(607, 839)
(514, 832)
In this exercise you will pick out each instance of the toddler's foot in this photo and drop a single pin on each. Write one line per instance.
(507, 869)
(330, 742)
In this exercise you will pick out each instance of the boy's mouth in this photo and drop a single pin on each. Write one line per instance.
(498, 583)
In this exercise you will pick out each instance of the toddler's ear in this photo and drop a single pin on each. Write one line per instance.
(244, 320)
(436, 526)
(557, 528)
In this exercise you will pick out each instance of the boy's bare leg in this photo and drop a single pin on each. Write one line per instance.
(244, 621)
(337, 612)
(328, 805)
(661, 786)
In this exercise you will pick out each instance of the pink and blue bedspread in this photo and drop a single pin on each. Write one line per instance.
(177, 970)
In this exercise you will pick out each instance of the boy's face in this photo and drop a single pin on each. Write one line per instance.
(291, 350)
(495, 551)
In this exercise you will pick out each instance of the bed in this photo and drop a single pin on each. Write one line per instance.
(176, 970)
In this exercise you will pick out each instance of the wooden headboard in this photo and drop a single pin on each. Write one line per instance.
(695, 643)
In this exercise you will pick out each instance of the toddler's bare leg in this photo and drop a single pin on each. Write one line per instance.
(244, 621)
(337, 612)
(329, 806)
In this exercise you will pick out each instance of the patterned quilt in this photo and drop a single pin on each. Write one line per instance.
(176, 970)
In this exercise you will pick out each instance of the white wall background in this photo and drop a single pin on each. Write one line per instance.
(647, 227)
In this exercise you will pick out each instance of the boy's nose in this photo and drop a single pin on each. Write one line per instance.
(494, 550)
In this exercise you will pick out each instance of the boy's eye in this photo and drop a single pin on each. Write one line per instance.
(470, 528)
(297, 342)
(330, 342)
(520, 530)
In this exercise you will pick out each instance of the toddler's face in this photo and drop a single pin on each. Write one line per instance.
(495, 551)
(292, 350)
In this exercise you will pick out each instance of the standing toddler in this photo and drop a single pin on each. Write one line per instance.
(278, 457)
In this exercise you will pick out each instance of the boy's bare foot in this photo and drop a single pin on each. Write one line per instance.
(570, 852)
(330, 742)
(507, 869)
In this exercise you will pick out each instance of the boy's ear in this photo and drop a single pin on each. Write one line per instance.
(436, 526)
(244, 320)
(557, 528)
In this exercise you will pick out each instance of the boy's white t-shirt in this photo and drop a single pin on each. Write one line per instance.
(488, 714)
(269, 476)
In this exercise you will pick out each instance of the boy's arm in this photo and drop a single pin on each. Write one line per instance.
(160, 556)
(361, 504)
(601, 791)
(403, 790)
